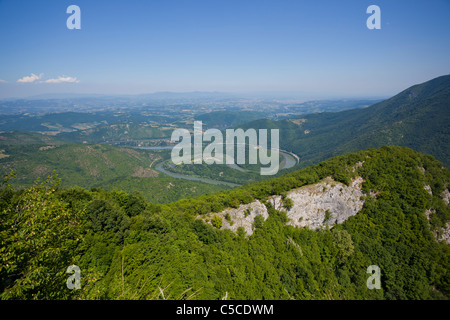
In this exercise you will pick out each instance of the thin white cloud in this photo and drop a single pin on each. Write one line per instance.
(29, 79)
(3, 81)
(62, 79)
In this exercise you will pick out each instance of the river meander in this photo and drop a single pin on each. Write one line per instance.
(289, 160)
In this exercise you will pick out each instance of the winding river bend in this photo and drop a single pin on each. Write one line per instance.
(289, 160)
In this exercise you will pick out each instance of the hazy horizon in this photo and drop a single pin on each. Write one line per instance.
(316, 50)
(296, 96)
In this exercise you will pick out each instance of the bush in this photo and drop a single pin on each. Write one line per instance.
(258, 222)
(328, 216)
(217, 221)
(288, 203)
(104, 217)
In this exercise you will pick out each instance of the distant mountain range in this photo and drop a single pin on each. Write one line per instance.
(384, 206)
(418, 117)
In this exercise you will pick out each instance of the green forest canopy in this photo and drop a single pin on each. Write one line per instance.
(128, 248)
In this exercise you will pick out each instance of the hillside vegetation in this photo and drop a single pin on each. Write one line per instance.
(93, 166)
(128, 248)
(417, 117)
(120, 132)
(225, 119)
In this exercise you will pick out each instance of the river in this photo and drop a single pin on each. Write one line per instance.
(289, 160)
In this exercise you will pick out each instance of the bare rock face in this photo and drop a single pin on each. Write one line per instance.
(314, 206)
(446, 232)
(446, 196)
(327, 202)
(441, 234)
(244, 216)
(429, 212)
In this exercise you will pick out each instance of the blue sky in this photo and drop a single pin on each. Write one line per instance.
(316, 48)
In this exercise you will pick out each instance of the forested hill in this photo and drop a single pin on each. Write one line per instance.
(225, 119)
(32, 155)
(417, 118)
(127, 248)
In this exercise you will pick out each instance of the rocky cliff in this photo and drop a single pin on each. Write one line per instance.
(327, 202)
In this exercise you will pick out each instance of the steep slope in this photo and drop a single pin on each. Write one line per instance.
(119, 132)
(78, 164)
(34, 156)
(314, 206)
(128, 249)
(225, 119)
(418, 118)
(20, 138)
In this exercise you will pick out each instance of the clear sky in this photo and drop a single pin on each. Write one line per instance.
(318, 48)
